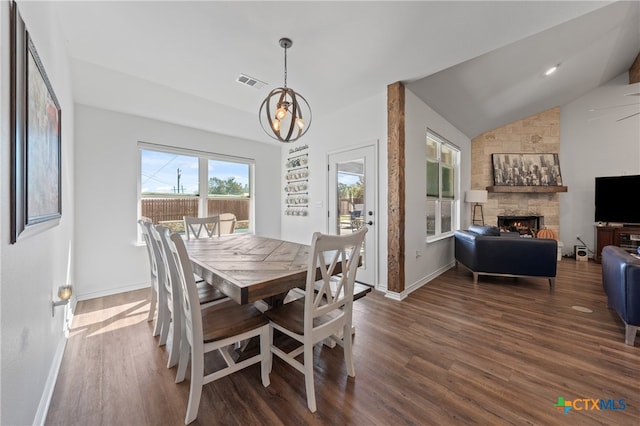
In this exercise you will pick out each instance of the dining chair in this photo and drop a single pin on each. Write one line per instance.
(158, 301)
(325, 311)
(217, 328)
(207, 294)
(227, 223)
(194, 226)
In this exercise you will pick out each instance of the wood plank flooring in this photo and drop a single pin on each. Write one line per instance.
(452, 353)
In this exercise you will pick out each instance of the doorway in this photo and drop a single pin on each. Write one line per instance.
(352, 183)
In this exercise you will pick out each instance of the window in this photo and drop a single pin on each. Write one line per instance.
(443, 167)
(176, 182)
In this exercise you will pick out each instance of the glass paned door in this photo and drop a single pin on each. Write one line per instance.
(352, 201)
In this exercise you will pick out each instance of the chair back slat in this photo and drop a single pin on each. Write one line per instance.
(189, 300)
(194, 226)
(227, 223)
(331, 292)
(152, 258)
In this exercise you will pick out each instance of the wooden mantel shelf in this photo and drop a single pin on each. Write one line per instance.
(507, 188)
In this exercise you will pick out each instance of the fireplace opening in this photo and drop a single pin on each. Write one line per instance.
(526, 226)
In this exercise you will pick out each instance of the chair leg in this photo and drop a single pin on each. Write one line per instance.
(308, 377)
(164, 327)
(265, 354)
(157, 329)
(195, 388)
(270, 354)
(152, 305)
(347, 342)
(552, 282)
(630, 334)
(174, 348)
(183, 361)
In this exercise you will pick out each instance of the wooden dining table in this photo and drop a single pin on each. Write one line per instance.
(248, 268)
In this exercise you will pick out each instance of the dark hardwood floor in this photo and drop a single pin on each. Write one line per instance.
(499, 352)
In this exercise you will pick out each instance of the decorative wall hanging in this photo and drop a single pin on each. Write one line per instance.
(526, 169)
(297, 178)
(36, 193)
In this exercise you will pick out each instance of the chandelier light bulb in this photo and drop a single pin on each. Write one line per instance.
(275, 125)
(300, 123)
(281, 113)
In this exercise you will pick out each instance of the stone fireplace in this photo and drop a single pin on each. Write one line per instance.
(539, 133)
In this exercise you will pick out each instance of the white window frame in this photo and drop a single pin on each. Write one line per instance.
(203, 176)
(455, 210)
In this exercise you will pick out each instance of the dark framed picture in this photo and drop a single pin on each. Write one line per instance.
(526, 169)
(36, 193)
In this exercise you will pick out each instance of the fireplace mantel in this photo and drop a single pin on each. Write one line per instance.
(507, 188)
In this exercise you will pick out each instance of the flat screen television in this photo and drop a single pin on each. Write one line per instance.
(617, 199)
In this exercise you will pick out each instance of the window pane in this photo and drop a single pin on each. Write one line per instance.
(168, 188)
(166, 173)
(446, 155)
(448, 186)
(229, 191)
(431, 217)
(447, 208)
(433, 179)
(228, 179)
(432, 148)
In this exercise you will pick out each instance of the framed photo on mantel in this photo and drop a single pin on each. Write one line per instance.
(36, 193)
(533, 169)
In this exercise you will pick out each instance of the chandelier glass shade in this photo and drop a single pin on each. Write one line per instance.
(285, 115)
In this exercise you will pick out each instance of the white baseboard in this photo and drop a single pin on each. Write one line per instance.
(47, 394)
(112, 291)
(416, 285)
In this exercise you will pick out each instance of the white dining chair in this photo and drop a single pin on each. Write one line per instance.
(158, 299)
(217, 328)
(207, 294)
(227, 223)
(198, 227)
(325, 311)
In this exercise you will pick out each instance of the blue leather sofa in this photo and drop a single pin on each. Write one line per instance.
(485, 251)
(621, 282)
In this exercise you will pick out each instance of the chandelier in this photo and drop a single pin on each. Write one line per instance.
(284, 111)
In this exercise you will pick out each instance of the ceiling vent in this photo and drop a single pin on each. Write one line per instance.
(250, 81)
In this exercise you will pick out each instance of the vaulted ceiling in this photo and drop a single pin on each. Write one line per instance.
(478, 63)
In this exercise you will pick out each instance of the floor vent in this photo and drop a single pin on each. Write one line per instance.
(250, 81)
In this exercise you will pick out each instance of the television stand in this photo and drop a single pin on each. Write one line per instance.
(626, 237)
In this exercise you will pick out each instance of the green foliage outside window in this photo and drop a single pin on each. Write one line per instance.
(227, 186)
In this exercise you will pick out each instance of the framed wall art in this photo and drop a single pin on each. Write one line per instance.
(526, 169)
(36, 193)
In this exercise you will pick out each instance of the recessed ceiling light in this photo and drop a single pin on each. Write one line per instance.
(551, 70)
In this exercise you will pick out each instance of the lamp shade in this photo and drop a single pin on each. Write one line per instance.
(476, 196)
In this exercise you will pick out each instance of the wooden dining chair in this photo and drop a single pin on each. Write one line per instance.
(326, 310)
(217, 328)
(197, 227)
(207, 294)
(227, 223)
(157, 296)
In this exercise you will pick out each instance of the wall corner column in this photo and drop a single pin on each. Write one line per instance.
(396, 182)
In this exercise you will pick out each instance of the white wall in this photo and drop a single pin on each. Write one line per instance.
(109, 260)
(595, 144)
(360, 124)
(424, 261)
(32, 269)
(366, 122)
